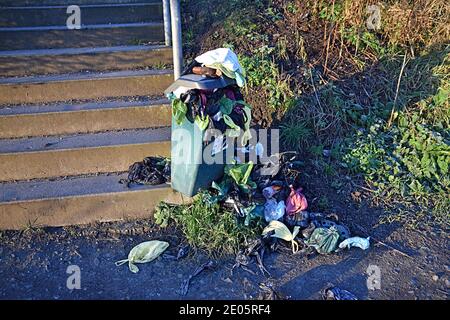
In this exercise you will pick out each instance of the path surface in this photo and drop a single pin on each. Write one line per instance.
(33, 265)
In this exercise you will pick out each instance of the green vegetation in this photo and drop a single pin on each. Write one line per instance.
(295, 134)
(208, 227)
(264, 74)
(407, 162)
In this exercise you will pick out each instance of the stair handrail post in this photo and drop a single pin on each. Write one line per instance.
(166, 15)
(176, 38)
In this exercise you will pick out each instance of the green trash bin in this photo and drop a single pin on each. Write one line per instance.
(189, 172)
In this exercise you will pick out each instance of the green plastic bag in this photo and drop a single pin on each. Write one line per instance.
(226, 105)
(240, 173)
(202, 123)
(144, 252)
(179, 110)
(324, 240)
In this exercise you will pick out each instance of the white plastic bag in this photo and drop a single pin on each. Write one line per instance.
(144, 252)
(274, 210)
(282, 232)
(358, 242)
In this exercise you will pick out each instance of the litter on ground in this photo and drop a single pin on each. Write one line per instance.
(144, 252)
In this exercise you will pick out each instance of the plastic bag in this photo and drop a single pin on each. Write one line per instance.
(274, 210)
(296, 202)
(324, 240)
(226, 61)
(253, 213)
(358, 242)
(240, 173)
(282, 232)
(144, 252)
(179, 110)
(335, 293)
(270, 191)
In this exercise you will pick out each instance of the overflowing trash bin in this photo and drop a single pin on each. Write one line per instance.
(207, 111)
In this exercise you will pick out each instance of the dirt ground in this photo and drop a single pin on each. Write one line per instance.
(33, 263)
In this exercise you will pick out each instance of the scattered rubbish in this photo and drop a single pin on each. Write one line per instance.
(152, 170)
(254, 212)
(335, 293)
(282, 232)
(144, 252)
(267, 292)
(274, 210)
(270, 191)
(254, 248)
(310, 221)
(208, 96)
(296, 201)
(324, 240)
(185, 285)
(326, 153)
(358, 242)
(300, 219)
(240, 174)
(307, 232)
(182, 252)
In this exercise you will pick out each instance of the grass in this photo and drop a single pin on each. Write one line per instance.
(295, 134)
(211, 228)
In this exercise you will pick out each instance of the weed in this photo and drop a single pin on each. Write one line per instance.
(407, 162)
(262, 72)
(208, 227)
(273, 14)
(292, 8)
(331, 12)
(188, 36)
(137, 42)
(323, 203)
(295, 134)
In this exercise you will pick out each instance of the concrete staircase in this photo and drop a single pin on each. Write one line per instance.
(78, 107)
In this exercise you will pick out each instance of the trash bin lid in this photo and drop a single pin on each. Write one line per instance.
(195, 81)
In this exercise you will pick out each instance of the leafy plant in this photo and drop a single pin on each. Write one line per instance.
(408, 161)
(262, 72)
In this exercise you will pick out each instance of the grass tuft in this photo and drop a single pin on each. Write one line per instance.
(211, 228)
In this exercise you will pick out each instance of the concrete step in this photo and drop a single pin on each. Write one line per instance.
(51, 61)
(21, 3)
(78, 200)
(47, 157)
(34, 16)
(64, 119)
(97, 35)
(79, 86)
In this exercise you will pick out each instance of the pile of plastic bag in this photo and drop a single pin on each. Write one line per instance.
(278, 202)
(219, 108)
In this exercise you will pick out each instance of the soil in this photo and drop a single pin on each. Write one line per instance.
(413, 264)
